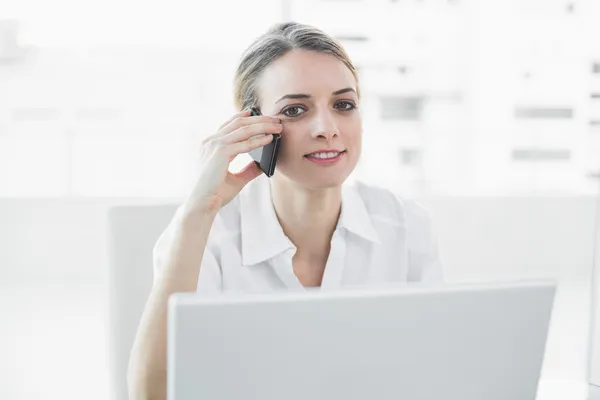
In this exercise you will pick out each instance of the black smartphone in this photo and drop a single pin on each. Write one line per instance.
(266, 156)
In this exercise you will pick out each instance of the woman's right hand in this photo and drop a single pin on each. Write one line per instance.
(216, 186)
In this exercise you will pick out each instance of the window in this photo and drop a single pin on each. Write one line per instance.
(428, 96)
(543, 113)
(541, 155)
(98, 114)
(401, 108)
(411, 157)
(31, 114)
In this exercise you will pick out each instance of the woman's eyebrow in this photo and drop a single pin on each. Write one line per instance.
(307, 96)
(294, 96)
(342, 91)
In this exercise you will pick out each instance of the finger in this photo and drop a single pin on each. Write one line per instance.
(240, 122)
(248, 131)
(243, 113)
(247, 145)
(242, 178)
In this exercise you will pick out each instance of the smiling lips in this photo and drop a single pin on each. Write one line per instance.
(326, 156)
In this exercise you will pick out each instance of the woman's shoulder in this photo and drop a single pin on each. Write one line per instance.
(409, 214)
(382, 202)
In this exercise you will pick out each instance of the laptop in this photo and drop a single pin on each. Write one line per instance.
(472, 341)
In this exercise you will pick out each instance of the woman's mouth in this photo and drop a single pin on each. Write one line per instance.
(325, 157)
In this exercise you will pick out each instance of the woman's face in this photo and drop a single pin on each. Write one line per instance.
(315, 95)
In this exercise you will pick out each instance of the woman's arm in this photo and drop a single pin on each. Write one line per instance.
(214, 188)
(147, 372)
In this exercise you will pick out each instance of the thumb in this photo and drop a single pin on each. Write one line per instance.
(247, 174)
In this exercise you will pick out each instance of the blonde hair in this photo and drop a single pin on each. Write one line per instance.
(275, 43)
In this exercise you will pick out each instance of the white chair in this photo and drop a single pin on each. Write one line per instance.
(133, 230)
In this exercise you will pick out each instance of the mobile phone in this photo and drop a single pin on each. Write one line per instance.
(266, 156)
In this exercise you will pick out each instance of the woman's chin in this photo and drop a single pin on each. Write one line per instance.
(322, 181)
(314, 178)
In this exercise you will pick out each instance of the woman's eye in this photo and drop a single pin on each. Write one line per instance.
(345, 105)
(293, 111)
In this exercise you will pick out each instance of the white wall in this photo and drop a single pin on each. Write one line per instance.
(44, 240)
(595, 332)
(54, 239)
(54, 299)
(527, 238)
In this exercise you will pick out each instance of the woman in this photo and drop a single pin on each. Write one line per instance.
(300, 228)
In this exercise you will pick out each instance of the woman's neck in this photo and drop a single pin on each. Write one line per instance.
(308, 217)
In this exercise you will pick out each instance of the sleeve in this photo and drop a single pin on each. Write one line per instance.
(210, 277)
(424, 264)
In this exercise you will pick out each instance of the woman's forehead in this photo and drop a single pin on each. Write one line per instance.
(306, 72)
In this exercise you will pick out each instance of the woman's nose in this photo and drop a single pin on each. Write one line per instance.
(323, 125)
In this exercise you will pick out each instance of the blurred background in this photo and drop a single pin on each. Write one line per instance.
(486, 110)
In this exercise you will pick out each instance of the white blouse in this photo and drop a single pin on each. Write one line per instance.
(379, 239)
